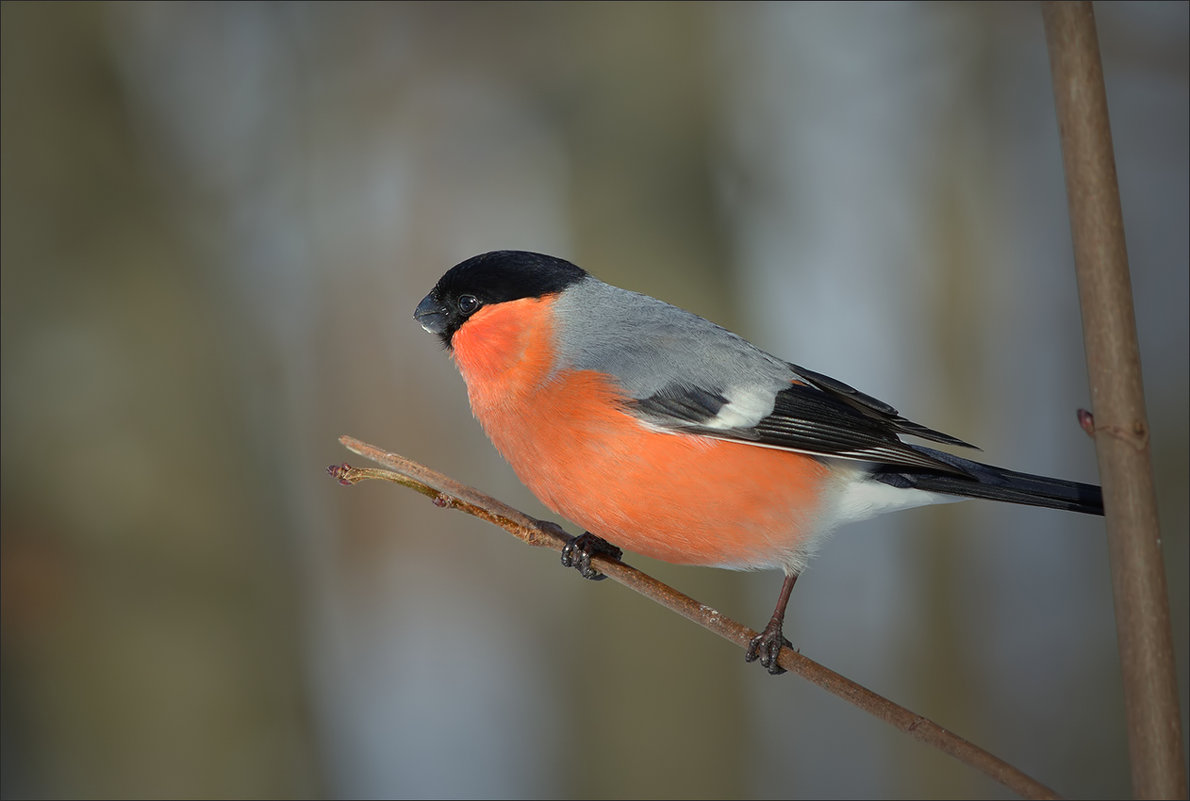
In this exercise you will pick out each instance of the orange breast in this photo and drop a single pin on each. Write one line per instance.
(676, 497)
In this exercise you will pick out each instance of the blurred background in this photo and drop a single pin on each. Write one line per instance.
(217, 219)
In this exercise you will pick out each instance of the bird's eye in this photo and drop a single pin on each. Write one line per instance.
(468, 304)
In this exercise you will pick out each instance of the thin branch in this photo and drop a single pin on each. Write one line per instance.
(1120, 425)
(448, 493)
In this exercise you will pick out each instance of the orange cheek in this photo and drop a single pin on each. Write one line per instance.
(503, 351)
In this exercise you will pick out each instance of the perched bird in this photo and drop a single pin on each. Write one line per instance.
(659, 431)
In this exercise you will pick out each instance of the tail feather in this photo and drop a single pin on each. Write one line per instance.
(995, 484)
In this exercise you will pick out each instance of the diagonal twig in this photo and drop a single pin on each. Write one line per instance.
(448, 493)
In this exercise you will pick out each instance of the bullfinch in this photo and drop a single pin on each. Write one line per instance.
(657, 430)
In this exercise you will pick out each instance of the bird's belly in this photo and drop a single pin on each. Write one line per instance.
(676, 497)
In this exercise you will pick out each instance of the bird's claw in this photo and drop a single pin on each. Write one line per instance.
(766, 646)
(578, 552)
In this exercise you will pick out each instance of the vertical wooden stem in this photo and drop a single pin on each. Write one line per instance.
(1117, 396)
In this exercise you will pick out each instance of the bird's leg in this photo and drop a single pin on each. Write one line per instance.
(578, 552)
(766, 645)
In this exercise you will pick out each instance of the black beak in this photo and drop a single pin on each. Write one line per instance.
(431, 314)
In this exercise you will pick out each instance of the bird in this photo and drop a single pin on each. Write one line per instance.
(663, 433)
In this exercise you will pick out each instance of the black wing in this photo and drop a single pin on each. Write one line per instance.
(820, 417)
(868, 404)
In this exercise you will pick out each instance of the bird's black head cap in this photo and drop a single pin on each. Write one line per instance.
(495, 277)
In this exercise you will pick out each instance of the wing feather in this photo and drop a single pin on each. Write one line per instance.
(820, 417)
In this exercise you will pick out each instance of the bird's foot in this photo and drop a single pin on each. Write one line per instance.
(766, 646)
(578, 552)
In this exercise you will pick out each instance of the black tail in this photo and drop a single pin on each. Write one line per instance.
(994, 484)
